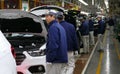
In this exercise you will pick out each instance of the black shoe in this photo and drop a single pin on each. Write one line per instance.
(82, 53)
(87, 52)
(100, 50)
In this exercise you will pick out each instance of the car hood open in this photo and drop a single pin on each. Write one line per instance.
(13, 20)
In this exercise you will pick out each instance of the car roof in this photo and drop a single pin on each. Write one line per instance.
(41, 10)
(48, 7)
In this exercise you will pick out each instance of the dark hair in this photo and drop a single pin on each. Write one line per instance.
(84, 18)
(60, 17)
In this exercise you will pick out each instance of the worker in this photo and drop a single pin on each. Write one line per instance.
(111, 24)
(72, 42)
(56, 48)
(91, 31)
(101, 30)
(84, 30)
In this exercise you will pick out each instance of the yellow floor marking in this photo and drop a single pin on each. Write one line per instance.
(99, 64)
(117, 50)
(98, 70)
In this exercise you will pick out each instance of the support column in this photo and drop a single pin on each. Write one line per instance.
(35, 2)
(2, 4)
(63, 3)
(20, 4)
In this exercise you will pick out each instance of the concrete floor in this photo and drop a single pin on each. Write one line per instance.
(107, 62)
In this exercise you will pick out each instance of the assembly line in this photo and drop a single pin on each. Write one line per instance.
(59, 37)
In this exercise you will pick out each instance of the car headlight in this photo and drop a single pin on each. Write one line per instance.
(36, 53)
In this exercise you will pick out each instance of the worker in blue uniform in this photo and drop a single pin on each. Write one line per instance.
(111, 24)
(72, 42)
(84, 30)
(91, 31)
(101, 30)
(56, 48)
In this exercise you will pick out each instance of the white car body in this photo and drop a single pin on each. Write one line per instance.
(7, 61)
(28, 61)
(32, 61)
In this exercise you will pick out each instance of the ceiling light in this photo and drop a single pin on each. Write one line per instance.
(83, 2)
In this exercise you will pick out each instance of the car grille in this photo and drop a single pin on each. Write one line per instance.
(20, 58)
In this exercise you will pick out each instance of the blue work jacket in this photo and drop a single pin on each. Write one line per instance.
(56, 48)
(72, 41)
(111, 22)
(84, 28)
(101, 27)
(91, 25)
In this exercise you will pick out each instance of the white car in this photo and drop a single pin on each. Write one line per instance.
(27, 34)
(42, 10)
(7, 61)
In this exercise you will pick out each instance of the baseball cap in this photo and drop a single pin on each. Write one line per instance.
(59, 15)
(99, 16)
(83, 17)
(50, 13)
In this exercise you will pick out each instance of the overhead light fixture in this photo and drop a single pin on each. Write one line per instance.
(86, 13)
(106, 3)
(92, 2)
(83, 2)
